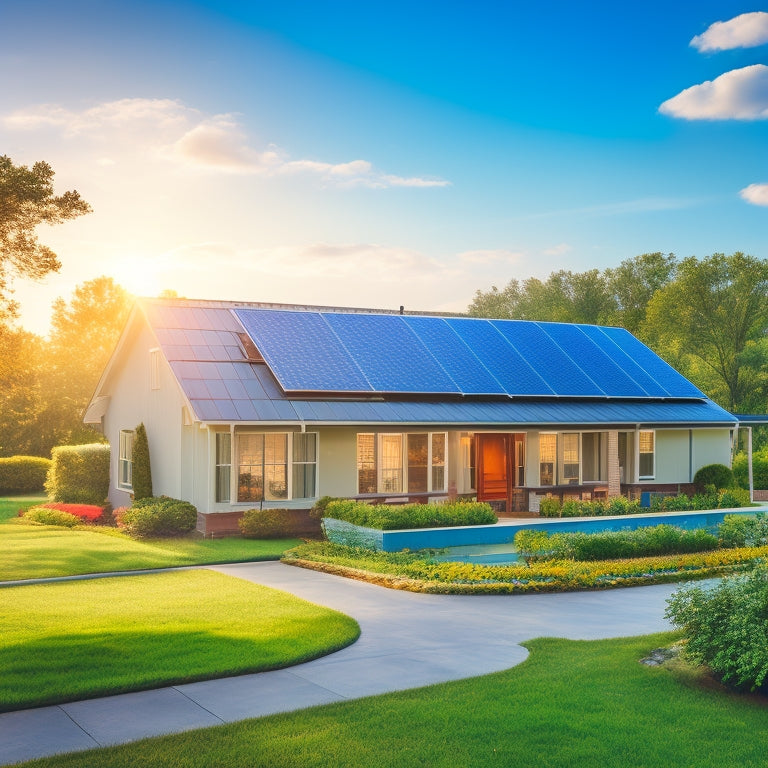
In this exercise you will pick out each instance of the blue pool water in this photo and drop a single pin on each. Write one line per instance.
(495, 551)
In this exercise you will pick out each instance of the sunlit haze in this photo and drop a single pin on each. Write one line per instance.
(384, 154)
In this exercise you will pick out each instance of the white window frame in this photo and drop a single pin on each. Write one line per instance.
(652, 453)
(234, 495)
(221, 489)
(125, 460)
(378, 440)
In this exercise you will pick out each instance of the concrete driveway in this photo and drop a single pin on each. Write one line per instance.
(408, 640)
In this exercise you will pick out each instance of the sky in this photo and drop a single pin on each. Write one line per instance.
(379, 154)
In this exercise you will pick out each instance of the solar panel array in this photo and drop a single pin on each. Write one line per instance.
(351, 353)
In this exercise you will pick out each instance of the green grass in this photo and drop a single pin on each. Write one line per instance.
(37, 551)
(586, 704)
(66, 641)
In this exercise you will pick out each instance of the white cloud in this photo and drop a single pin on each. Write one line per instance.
(757, 194)
(168, 129)
(745, 31)
(741, 94)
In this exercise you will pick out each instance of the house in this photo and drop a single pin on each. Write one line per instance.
(249, 405)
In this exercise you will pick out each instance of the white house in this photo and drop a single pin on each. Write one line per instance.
(250, 404)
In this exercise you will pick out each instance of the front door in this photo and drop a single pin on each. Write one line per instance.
(500, 466)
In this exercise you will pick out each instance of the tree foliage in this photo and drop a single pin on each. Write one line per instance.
(26, 201)
(142, 469)
(711, 323)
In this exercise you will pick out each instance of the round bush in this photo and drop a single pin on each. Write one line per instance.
(161, 517)
(713, 474)
(47, 516)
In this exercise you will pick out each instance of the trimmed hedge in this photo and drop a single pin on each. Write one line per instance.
(730, 498)
(268, 524)
(618, 505)
(47, 516)
(743, 531)
(650, 541)
(387, 518)
(159, 517)
(23, 474)
(79, 474)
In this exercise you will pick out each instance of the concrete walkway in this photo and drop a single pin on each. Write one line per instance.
(407, 640)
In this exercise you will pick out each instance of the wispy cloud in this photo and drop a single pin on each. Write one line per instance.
(745, 31)
(191, 139)
(757, 194)
(741, 94)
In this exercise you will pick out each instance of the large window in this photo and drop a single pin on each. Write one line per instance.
(223, 465)
(274, 466)
(647, 455)
(401, 463)
(125, 460)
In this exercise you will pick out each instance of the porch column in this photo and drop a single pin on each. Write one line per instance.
(614, 474)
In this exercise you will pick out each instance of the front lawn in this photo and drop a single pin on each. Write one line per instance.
(587, 704)
(39, 551)
(67, 641)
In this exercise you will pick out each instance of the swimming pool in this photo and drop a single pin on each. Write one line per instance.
(493, 544)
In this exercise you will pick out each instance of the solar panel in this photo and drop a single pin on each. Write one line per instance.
(390, 354)
(549, 358)
(515, 374)
(457, 359)
(611, 379)
(302, 351)
(675, 384)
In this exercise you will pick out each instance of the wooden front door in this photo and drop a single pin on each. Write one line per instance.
(500, 463)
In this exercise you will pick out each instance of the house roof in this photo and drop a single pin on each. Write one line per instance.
(241, 362)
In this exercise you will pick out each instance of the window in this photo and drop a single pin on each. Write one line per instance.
(593, 458)
(569, 470)
(304, 465)
(223, 465)
(398, 463)
(276, 466)
(125, 460)
(647, 455)
(467, 446)
(547, 458)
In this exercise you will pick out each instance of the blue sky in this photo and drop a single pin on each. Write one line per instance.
(378, 154)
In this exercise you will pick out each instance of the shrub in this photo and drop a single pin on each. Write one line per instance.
(550, 507)
(387, 518)
(713, 474)
(318, 509)
(88, 512)
(743, 530)
(159, 517)
(23, 474)
(141, 478)
(46, 516)
(759, 469)
(726, 628)
(79, 474)
(649, 541)
(267, 524)
(733, 497)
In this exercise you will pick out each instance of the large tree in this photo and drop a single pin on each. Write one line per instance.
(711, 323)
(26, 201)
(83, 334)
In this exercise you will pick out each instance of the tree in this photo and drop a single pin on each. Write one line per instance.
(569, 297)
(142, 469)
(710, 322)
(83, 334)
(632, 285)
(27, 200)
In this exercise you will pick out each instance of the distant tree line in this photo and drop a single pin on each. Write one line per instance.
(707, 317)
